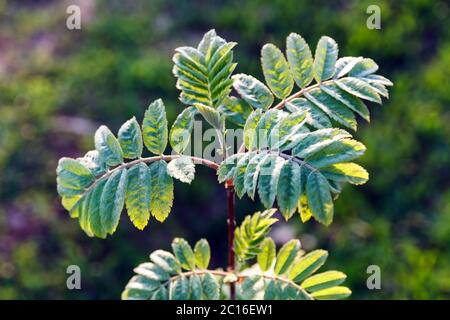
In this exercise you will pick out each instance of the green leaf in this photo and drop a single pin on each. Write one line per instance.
(250, 128)
(363, 68)
(276, 71)
(253, 91)
(184, 253)
(112, 200)
(313, 142)
(251, 232)
(228, 167)
(154, 127)
(137, 200)
(289, 188)
(265, 125)
(72, 177)
(315, 118)
(202, 254)
(284, 130)
(94, 162)
(236, 110)
(130, 139)
(161, 198)
(267, 255)
(273, 290)
(352, 102)
(323, 280)
(182, 168)
(179, 289)
(346, 172)
(95, 220)
(269, 174)
(307, 265)
(251, 287)
(344, 65)
(204, 72)
(325, 58)
(211, 115)
(343, 150)
(210, 287)
(180, 133)
(332, 107)
(195, 283)
(286, 256)
(332, 293)
(239, 174)
(359, 88)
(319, 198)
(252, 173)
(108, 146)
(152, 271)
(166, 261)
(300, 59)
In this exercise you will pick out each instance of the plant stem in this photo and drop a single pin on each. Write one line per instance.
(231, 222)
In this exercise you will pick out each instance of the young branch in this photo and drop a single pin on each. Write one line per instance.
(231, 224)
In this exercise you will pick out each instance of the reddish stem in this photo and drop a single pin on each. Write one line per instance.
(231, 221)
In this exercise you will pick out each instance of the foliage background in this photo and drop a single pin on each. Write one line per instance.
(57, 86)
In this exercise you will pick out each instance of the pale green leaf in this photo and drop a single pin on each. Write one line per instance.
(180, 133)
(161, 198)
(325, 58)
(250, 128)
(289, 188)
(130, 139)
(183, 252)
(319, 198)
(286, 256)
(166, 261)
(276, 71)
(195, 284)
(211, 115)
(346, 172)
(363, 68)
(332, 293)
(210, 287)
(182, 168)
(323, 280)
(315, 118)
(267, 255)
(253, 91)
(269, 174)
(359, 88)
(154, 127)
(236, 110)
(307, 265)
(179, 289)
(343, 150)
(300, 59)
(108, 146)
(137, 200)
(202, 254)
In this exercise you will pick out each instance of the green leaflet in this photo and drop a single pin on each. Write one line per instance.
(323, 280)
(286, 256)
(250, 128)
(154, 127)
(228, 167)
(325, 58)
(284, 130)
(273, 290)
(112, 200)
(183, 252)
(253, 91)
(179, 289)
(137, 200)
(363, 68)
(95, 220)
(94, 162)
(161, 198)
(315, 118)
(319, 198)
(251, 287)
(339, 151)
(352, 102)
(267, 255)
(307, 265)
(130, 139)
(289, 188)
(313, 142)
(269, 174)
(72, 177)
(300, 59)
(180, 133)
(252, 173)
(346, 172)
(210, 287)
(182, 168)
(303, 208)
(195, 284)
(236, 110)
(202, 254)
(239, 174)
(203, 73)
(344, 65)
(268, 121)
(108, 146)
(251, 232)
(276, 71)
(166, 261)
(152, 271)
(332, 107)
(211, 115)
(332, 293)
(359, 88)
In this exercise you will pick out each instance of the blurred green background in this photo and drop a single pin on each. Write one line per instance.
(57, 86)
